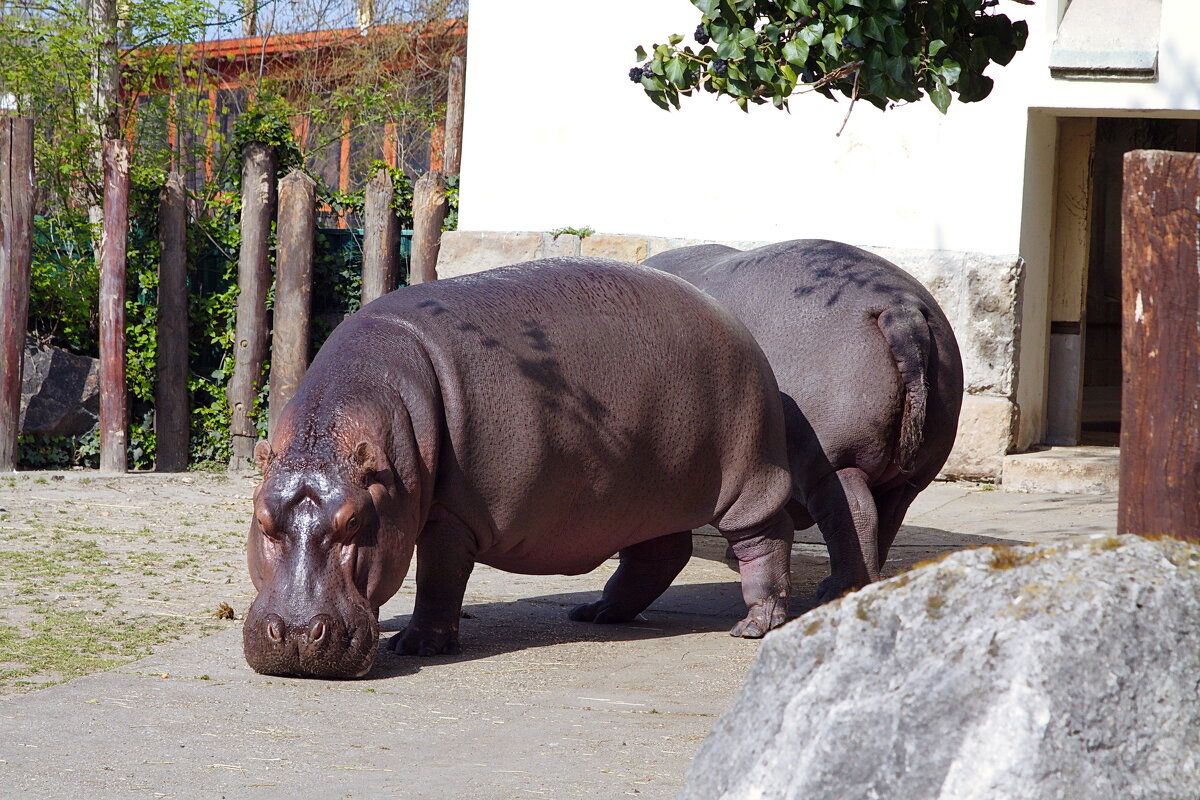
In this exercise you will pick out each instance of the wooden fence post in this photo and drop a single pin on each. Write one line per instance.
(16, 246)
(171, 393)
(381, 239)
(114, 397)
(429, 212)
(454, 116)
(1160, 418)
(294, 233)
(259, 163)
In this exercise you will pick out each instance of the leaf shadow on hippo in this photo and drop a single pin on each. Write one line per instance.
(870, 377)
(536, 418)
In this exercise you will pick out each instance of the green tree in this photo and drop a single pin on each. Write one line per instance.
(883, 51)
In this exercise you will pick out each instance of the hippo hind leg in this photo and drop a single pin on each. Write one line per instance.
(645, 572)
(844, 509)
(764, 560)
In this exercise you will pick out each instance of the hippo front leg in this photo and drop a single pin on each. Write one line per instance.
(445, 558)
(764, 560)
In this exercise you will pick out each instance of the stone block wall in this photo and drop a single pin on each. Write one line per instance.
(980, 294)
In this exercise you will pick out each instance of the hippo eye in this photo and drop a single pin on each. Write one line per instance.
(352, 523)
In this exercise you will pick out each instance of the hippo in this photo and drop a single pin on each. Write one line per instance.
(537, 418)
(870, 377)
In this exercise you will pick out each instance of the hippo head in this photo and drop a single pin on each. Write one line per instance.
(325, 553)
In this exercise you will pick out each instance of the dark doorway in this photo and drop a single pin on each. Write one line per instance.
(1101, 406)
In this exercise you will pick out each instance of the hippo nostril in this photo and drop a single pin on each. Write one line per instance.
(275, 628)
(316, 631)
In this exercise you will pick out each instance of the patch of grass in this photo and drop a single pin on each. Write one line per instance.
(67, 644)
(582, 233)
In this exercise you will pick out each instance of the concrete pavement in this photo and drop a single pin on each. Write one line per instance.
(536, 706)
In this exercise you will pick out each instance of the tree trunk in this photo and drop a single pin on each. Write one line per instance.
(103, 107)
(254, 279)
(16, 245)
(114, 397)
(171, 394)
(1160, 420)
(429, 212)
(381, 239)
(295, 230)
(249, 18)
(454, 116)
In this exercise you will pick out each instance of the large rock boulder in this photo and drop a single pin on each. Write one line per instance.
(1065, 671)
(60, 391)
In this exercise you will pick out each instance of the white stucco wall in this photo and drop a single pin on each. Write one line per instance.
(556, 135)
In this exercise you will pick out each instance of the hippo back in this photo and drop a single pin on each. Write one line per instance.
(814, 307)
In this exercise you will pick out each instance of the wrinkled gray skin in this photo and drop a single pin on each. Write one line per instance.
(537, 418)
(870, 376)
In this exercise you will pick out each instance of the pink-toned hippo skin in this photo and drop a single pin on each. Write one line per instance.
(536, 418)
(870, 377)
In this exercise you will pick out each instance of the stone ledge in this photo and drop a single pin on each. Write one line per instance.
(1064, 470)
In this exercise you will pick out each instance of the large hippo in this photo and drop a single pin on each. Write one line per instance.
(870, 376)
(537, 418)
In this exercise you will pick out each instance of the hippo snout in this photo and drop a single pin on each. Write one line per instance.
(321, 646)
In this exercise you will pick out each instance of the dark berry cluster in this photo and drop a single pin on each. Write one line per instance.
(719, 67)
(701, 35)
(635, 74)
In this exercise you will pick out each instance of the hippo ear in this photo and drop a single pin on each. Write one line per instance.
(263, 455)
(371, 463)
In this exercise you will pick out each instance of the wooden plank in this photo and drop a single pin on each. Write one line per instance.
(1160, 419)
(381, 239)
(295, 231)
(171, 418)
(16, 247)
(455, 95)
(114, 397)
(429, 212)
(254, 279)
(1072, 218)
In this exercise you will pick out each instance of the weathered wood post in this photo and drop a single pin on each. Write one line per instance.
(1160, 416)
(454, 116)
(16, 247)
(381, 239)
(171, 393)
(259, 163)
(294, 233)
(429, 212)
(114, 397)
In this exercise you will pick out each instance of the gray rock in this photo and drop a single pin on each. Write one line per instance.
(1061, 671)
(60, 391)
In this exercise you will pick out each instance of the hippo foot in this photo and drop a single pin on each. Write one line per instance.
(603, 612)
(833, 588)
(763, 617)
(415, 642)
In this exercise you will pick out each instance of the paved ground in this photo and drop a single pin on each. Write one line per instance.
(535, 707)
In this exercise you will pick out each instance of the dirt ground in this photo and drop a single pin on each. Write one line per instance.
(97, 571)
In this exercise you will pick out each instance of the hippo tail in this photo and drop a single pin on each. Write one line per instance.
(906, 331)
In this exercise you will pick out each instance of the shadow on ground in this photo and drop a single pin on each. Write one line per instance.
(494, 629)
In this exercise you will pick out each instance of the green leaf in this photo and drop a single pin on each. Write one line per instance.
(658, 99)
(847, 21)
(747, 37)
(730, 49)
(812, 34)
(641, 53)
(795, 52)
(674, 39)
(935, 46)
(707, 7)
(949, 72)
(940, 95)
(830, 44)
(800, 7)
(677, 72)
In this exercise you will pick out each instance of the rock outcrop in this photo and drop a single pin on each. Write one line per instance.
(1061, 671)
(60, 392)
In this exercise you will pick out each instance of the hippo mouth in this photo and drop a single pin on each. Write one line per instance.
(324, 646)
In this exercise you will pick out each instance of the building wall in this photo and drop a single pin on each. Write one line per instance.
(556, 135)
